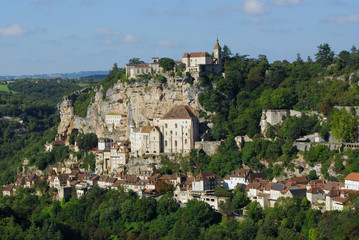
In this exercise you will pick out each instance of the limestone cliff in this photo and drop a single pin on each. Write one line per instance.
(139, 101)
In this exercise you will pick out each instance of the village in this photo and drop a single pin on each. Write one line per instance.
(176, 133)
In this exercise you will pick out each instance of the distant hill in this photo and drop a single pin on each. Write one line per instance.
(75, 75)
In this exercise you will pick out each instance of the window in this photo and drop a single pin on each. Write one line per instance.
(185, 141)
(166, 143)
(171, 132)
(176, 133)
(175, 125)
(176, 143)
(166, 125)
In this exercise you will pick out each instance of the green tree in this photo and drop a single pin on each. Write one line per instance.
(88, 141)
(135, 61)
(344, 126)
(324, 56)
(240, 198)
(167, 64)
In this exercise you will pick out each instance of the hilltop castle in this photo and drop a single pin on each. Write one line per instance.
(194, 61)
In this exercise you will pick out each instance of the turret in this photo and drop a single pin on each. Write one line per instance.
(217, 52)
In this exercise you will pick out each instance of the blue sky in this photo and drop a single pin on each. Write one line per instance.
(51, 36)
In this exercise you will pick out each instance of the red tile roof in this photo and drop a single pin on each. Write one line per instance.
(206, 176)
(353, 177)
(180, 112)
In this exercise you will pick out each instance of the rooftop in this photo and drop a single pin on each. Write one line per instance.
(180, 112)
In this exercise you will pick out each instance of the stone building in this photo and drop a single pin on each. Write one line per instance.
(175, 132)
(203, 61)
(145, 140)
(180, 130)
(115, 119)
(118, 157)
(135, 70)
(194, 61)
(206, 181)
(352, 181)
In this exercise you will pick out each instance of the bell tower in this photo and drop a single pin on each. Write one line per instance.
(217, 52)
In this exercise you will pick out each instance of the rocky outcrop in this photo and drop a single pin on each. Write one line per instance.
(141, 103)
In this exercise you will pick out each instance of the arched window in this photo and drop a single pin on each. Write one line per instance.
(175, 125)
(166, 143)
(176, 143)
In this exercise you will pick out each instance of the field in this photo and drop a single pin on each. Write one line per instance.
(4, 88)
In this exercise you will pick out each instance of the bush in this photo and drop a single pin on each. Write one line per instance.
(82, 102)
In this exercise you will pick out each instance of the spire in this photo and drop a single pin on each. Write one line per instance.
(217, 46)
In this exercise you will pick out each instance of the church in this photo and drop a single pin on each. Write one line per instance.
(175, 132)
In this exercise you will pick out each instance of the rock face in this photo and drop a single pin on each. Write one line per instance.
(141, 103)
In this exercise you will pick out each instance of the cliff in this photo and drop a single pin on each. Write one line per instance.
(139, 102)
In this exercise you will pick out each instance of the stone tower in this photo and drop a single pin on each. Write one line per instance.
(217, 52)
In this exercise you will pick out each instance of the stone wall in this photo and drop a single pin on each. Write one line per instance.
(209, 147)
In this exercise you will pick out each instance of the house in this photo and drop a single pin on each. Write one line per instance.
(145, 140)
(61, 180)
(136, 70)
(119, 156)
(174, 179)
(212, 200)
(63, 192)
(352, 181)
(91, 179)
(115, 118)
(315, 195)
(238, 176)
(8, 189)
(81, 189)
(206, 181)
(32, 180)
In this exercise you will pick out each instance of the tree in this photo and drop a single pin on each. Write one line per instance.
(226, 208)
(167, 64)
(254, 211)
(240, 198)
(166, 205)
(324, 56)
(163, 187)
(88, 141)
(135, 61)
(182, 67)
(344, 125)
(312, 175)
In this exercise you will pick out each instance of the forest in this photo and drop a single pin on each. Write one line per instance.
(32, 108)
(115, 214)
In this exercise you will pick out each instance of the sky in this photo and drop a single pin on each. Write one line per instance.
(60, 36)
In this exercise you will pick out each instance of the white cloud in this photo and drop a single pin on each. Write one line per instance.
(105, 31)
(107, 42)
(353, 18)
(130, 38)
(12, 30)
(167, 43)
(255, 7)
(286, 2)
